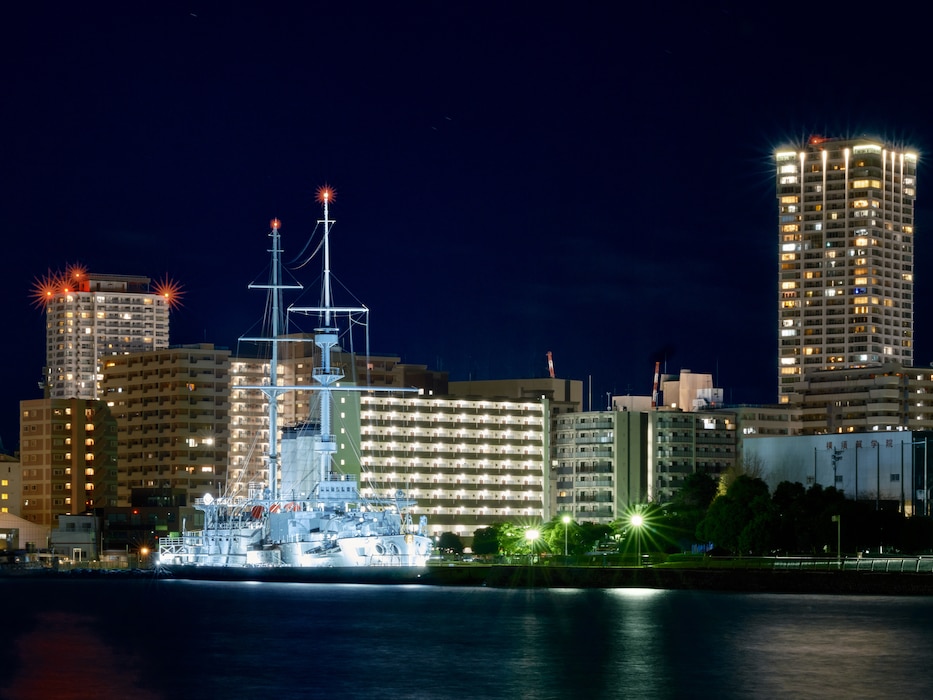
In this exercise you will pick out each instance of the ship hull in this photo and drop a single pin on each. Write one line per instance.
(299, 538)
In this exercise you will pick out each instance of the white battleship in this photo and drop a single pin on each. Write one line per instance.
(308, 514)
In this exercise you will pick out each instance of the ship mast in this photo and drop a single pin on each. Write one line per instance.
(272, 390)
(326, 376)
(326, 338)
(275, 293)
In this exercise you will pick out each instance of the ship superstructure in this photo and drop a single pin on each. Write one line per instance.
(308, 514)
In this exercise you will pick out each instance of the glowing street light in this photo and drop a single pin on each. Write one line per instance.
(532, 534)
(636, 521)
(566, 520)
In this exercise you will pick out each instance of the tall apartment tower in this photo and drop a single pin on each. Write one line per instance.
(846, 248)
(89, 316)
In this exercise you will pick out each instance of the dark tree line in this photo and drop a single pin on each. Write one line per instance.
(748, 519)
(745, 519)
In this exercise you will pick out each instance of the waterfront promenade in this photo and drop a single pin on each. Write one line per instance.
(878, 576)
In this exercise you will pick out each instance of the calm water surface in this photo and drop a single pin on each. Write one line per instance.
(184, 639)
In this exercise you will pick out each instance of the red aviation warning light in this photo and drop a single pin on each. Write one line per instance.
(76, 273)
(275, 224)
(170, 290)
(45, 288)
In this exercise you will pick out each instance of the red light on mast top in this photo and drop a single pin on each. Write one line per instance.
(325, 194)
(275, 224)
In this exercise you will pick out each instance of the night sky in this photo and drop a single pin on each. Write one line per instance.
(512, 178)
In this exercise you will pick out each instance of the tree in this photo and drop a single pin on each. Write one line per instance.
(512, 539)
(752, 466)
(741, 520)
(580, 537)
(689, 507)
(788, 502)
(450, 543)
(486, 541)
(589, 535)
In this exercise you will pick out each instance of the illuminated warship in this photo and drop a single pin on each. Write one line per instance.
(315, 517)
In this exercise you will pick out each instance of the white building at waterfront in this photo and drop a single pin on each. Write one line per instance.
(888, 468)
(468, 462)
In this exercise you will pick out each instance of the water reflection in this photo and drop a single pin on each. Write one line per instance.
(62, 657)
(238, 640)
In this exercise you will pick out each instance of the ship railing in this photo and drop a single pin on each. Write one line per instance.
(171, 546)
(238, 524)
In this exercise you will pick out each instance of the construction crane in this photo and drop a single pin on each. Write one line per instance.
(550, 364)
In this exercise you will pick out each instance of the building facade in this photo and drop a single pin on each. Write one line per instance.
(599, 464)
(846, 250)
(249, 408)
(68, 451)
(11, 485)
(890, 470)
(90, 316)
(469, 463)
(766, 421)
(883, 397)
(682, 443)
(172, 408)
(19, 534)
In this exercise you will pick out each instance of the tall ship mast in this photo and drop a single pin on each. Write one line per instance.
(308, 514)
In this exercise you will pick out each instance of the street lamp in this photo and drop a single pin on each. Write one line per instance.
(636, 521)
(838, 520)
(531, 535)
(566, 520)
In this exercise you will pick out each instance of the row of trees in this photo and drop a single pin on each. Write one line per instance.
(742, 519)
(747, 518)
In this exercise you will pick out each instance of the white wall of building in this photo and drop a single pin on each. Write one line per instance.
(862, 465)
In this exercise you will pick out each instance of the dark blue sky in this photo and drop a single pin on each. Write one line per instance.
(512, 178)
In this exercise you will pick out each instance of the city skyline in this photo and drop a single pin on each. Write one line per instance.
(507, 184)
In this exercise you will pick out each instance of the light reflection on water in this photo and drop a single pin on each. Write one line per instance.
(164, 639)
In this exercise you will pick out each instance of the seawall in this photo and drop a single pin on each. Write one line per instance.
(734, 580)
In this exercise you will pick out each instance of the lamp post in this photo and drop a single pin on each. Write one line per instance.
(531, 535)
(838, 520)
(636, 521)
(566, 520)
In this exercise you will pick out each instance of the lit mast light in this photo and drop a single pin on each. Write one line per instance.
(325, 194)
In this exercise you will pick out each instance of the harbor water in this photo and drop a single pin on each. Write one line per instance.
(152, 639)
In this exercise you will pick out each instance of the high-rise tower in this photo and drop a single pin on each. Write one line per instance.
(89, 316)
(845, 232)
